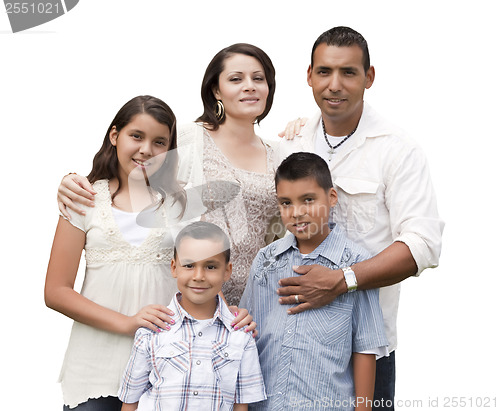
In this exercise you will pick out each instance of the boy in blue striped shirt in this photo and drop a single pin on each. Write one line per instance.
(325, 357)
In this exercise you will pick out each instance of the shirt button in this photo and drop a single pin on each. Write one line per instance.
(198, 362)
(289, 331)
(195, 393)
(226, 354)
(200, 334)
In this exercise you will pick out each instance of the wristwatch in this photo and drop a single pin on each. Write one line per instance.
(350, 279)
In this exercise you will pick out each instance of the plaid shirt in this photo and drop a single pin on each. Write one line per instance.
(197, 365)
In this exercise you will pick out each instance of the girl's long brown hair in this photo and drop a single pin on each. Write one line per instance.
(164, 181)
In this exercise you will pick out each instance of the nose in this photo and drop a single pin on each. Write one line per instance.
(334, 84)
(298, 211)
(198, 274)
(146, 148)
(249, 84)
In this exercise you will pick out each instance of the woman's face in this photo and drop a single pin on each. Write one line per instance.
(243, 88)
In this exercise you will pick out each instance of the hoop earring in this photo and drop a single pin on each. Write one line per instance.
(219, 110)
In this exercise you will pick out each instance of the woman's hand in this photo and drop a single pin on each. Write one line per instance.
(243, 319)
(293, 128)
(154, 316)
(74, 188)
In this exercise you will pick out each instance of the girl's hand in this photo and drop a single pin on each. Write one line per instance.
(243, 319)
(74, 188)
(293, 128)
(154, 316)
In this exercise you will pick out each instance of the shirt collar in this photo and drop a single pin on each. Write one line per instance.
(329, 248)
(221, 312)
(370, 125)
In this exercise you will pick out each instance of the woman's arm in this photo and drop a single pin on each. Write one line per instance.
(69, 242)
(240, 407)
(364, 366)
(74, 188)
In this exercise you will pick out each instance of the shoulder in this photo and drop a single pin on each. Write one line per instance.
(189, 133)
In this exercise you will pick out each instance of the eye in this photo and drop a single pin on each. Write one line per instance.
(188, 266)
(135, 136)
(161, 143)
(259, 78)
(309, 200)
(235, 79)
(211, 267)
(285, 203)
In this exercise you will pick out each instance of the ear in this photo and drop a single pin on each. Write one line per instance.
(113, 136)
(173, 267)
(216, 93)
(309, 71)
(370, 77)
(229, 271)
(332, 195)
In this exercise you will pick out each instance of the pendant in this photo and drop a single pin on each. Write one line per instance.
(331, 151)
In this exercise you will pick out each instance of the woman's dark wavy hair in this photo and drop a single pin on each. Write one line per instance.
(164, 181)
(211, 81)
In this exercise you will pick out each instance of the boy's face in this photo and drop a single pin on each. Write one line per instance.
(305, 209)
(200, 268)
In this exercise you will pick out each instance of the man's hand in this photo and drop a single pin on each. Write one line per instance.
(316, 287)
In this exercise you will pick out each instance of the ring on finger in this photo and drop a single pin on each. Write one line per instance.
(297, 299)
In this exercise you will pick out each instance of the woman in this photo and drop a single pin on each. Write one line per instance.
(237, 92)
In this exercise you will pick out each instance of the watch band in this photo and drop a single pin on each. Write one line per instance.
(350, 279)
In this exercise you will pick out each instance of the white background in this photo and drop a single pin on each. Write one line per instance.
(436, 76)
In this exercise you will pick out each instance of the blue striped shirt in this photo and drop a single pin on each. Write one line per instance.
(306, 358)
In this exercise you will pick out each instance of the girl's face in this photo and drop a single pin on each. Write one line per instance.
(243, 88)
(141, 146)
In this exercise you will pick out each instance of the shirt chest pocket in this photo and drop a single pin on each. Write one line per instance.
(173, 357)
(357, 205)
(226, 363)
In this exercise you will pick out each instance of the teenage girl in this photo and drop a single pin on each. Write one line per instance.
(127, 275)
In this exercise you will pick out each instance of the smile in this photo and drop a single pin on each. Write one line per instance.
(301, 226)
(249, 100)
(198, 289)
(141, 163)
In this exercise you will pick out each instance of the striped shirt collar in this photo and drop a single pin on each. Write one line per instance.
(221, 313)
(325, 249)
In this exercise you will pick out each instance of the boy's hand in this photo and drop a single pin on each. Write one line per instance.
(316, 287)
(243, 319)
(74, 188)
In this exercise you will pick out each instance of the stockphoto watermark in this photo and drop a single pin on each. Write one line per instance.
(452, 402)
(24, 15)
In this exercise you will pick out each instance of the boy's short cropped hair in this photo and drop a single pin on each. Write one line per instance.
(202, 230)
(304, 165)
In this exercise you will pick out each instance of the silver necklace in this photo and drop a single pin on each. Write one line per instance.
(331, 151)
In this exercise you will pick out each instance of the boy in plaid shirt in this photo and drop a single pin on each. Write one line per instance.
(202, 363)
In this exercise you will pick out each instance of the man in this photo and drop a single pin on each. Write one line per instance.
(386, 201)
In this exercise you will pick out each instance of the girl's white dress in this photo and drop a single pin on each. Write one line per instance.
(121, 277)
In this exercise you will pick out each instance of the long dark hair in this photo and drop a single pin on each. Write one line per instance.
(211, 81)
(164, 181)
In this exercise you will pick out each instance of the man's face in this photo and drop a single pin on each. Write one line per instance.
(338, 81)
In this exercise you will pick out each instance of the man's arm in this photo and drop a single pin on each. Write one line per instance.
(319, 285)
(364, 379)
(240, 407)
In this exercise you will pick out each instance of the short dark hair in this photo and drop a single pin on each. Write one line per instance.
(304, 165)
(211, 81)
(202, 230)
(342, 36)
